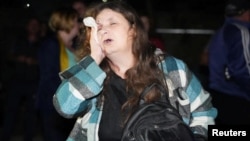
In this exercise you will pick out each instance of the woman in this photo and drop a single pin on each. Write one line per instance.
(56, 54)
(104, 86)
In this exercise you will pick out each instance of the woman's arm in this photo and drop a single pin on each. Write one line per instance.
(192, 98)
(79, 84)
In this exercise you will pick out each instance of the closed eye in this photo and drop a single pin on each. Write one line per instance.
(99, 28)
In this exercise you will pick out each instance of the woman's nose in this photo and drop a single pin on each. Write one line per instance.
(103, 31)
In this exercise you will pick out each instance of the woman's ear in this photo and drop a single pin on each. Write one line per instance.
(132, 31)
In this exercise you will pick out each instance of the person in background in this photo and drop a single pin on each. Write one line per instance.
(80, 6)
(229, 79)
(118, 64)
(57, 53)
(155, 39)
(23, 61)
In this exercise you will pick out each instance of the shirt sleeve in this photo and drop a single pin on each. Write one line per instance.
(194, 102)
(80, 83)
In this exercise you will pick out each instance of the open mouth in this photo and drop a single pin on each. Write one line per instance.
(107, 41)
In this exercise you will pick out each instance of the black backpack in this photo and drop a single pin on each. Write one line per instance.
(157, 121)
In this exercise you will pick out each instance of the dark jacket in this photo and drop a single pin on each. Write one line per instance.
(49, 68)
(226, 52)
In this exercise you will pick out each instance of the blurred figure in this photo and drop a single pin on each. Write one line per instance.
(24, 82)
(45, 31)
(55, 55)
(154, 38)
(229, 76)
(80, 6)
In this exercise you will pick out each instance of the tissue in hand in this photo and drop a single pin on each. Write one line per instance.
(89, 21)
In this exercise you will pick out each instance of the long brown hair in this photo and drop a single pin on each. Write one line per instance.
(83, 48)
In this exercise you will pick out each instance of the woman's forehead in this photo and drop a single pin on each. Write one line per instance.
(108, 14)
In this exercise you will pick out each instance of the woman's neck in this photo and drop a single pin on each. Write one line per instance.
(121, 64)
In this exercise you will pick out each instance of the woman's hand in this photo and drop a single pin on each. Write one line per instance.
(95, 46)
(96, 49)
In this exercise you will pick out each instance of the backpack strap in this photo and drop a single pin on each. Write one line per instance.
(148, 88)
(246, 45)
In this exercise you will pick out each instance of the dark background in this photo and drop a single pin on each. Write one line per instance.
(166, 14)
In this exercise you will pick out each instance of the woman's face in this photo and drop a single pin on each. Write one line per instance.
(115, 34)
(75, 29)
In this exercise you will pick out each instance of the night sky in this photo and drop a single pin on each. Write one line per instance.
(44, 6)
